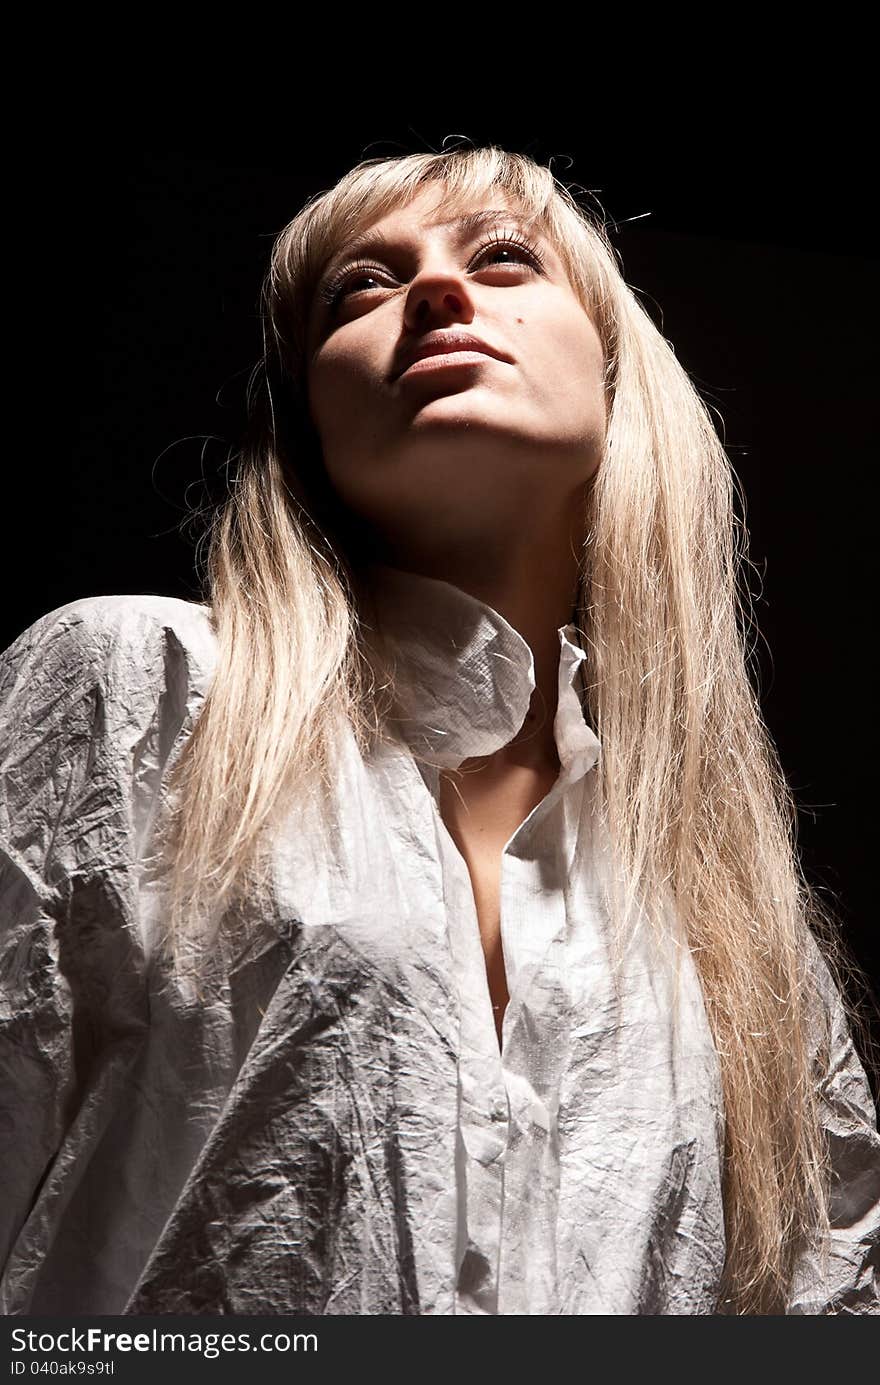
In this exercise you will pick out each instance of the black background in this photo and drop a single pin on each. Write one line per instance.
(144, 246)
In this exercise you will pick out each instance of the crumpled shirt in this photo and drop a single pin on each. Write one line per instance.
(331, 1126)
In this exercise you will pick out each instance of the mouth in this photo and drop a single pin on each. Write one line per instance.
(447, 346)
(446, 360)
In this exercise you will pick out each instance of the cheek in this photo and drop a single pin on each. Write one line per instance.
(339, 404)
(323, 384)
(337, 377)
(585, 357)
(578, 372)
(582, 337)
(326, 392)
(561, 338)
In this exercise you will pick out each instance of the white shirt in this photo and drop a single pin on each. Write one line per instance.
(332, 1127)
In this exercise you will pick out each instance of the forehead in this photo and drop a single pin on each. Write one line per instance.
(435, 207)
(432, 210)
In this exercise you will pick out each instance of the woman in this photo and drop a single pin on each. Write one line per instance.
(415, 927)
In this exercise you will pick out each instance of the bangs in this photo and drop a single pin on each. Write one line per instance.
(457, 190)
(462, 181)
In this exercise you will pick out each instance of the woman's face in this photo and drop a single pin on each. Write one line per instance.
(443, 455)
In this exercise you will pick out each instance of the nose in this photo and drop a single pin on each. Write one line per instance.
(437, 294)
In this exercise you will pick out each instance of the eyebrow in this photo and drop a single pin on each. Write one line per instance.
(469, 224)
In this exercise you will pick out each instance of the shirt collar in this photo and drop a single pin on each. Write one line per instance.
(464, 676)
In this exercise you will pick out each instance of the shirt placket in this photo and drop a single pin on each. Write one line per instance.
(507, 1118)
(483, 1104)
(534, 933)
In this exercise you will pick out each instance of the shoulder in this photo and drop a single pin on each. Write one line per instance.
(119, 618)
(93, 633)
(105, 667)
(94, 697)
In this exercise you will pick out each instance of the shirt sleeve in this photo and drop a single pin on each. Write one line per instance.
(91, 700)
(848, 1283)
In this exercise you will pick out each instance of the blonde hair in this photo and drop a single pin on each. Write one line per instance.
(689, 787)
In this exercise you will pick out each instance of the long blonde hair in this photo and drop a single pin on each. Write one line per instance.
(689, 786)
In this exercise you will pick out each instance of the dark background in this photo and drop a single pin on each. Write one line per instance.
(760, 270)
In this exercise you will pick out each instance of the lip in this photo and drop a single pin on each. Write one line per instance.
(449, 360)
(445, 344)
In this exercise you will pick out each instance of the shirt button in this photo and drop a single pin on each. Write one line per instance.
(498, 1109)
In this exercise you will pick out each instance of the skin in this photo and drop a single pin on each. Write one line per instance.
(474, 475)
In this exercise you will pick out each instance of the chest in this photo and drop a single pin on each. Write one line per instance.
(481, 815)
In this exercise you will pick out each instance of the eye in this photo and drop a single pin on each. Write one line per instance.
(507, 242)
(343, 284)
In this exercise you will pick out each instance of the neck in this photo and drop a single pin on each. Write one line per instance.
(534, 587)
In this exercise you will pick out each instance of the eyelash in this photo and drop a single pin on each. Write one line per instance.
(332, 293)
